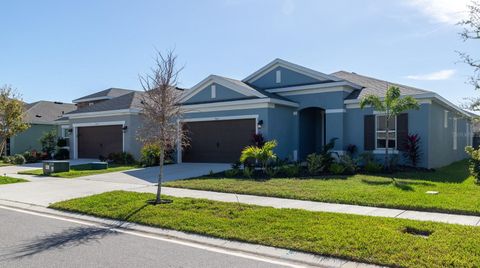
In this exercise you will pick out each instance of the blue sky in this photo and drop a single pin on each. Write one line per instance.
(61, 50)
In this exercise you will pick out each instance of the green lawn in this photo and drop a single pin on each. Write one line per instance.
(80, 171)
(457, 191)
(367, 239)
(7, 180)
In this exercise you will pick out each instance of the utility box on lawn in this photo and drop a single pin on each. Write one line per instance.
(98, 165)
(55, 166)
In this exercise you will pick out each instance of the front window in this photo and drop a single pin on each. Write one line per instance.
(381, 132)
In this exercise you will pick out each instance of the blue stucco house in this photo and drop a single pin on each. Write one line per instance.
(303, 109)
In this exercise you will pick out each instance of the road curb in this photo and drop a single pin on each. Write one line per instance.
(294, 257)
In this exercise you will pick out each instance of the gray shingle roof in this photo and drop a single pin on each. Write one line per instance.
(130, 100)
(249, 87)
(46, 112)
(107, 94)
(374, 86)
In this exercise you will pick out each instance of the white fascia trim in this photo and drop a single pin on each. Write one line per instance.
(326, 86)
(92, 99)
(219, 118)
(335, 111)
(316, 91)
(357, 105)
(236, 105)
(424, 98)
(291, 66)
(75, 127)
(104, 113)
(221, 81)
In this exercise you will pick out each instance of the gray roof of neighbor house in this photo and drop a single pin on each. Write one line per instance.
(104, 94)
(131, 100)
(374, 86)
(46, 112)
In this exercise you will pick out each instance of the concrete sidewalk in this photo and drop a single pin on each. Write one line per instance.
(317, 206)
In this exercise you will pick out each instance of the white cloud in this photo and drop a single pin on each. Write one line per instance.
(440, 75)
(288, 7)
(445, 11)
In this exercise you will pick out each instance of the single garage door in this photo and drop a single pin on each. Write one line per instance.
(99, 141)
(218, 141)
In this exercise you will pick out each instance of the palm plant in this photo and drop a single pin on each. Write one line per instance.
(262, 154)
(391, 106)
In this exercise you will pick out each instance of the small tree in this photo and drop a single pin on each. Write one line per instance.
(161, 111)
(262, 154)
(471, 31)
(49, 142)
(12, 115)
(391, 106)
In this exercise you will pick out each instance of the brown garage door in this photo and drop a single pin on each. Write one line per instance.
(99, 141)
(218, 141)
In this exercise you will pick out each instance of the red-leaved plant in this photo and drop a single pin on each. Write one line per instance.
(412, 149)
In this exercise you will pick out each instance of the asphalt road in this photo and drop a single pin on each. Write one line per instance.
(35, 241)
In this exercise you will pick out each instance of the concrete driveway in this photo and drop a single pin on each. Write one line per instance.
(46, 190)
(149, 176)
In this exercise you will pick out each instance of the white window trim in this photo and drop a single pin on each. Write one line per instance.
(445, 119)
(213, 89)
(455, 136)
(278, 76)
(390, 131)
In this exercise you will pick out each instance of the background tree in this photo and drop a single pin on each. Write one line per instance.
(12, 115)
(471, 31)
(49, 142)
(161, 112)
(391, 106)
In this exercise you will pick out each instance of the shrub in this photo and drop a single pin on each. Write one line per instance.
(271, 171)
(8, 159)
(367, 157)
(231, 173)
(412, 149)
(263, 154)
(350, 164)
(62, 142)
(248, 172)
(373, 167)
(258, 140)
(121, 158)
(18, 159)
(337, 168)
(62, 154)
(292, 170)
(474, 162)
(326, 158)
(314, 165)
(49, 141)
(150, 155)
(351, 149)
(31, 156)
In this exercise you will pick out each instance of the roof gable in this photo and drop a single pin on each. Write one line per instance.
(237, 86)
(298, 75)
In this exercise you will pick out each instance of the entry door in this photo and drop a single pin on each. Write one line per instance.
(97, 141)
(218, 141)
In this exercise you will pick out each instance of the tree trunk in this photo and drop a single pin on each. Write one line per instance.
(3, 146)
(160, 177)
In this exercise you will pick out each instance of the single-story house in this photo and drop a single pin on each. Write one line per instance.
(302, 109)
(42, 117)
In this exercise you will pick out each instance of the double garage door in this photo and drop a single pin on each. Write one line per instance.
(218, 141)
(99, 141)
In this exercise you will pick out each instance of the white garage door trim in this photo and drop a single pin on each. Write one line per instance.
(216, 118)
(94, 124)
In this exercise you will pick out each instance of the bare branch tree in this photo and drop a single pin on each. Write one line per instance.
(161, 110)
(471, 31)
(12, 115)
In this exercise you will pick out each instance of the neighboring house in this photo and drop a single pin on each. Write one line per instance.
(42, 117)
(105, 122)
(300, 108)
